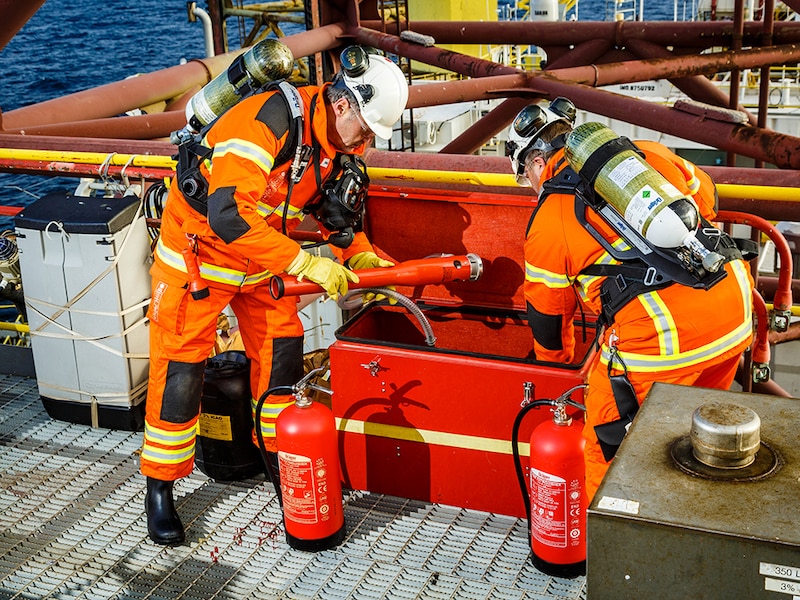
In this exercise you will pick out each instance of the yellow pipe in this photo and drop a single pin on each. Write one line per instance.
(20, 327)
(89, 158)
(759, 192)
(755, 192)
(795, 309)
(458, 177)
(726, 190)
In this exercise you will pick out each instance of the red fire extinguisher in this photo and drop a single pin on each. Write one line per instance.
(555, 490)
(310, 474)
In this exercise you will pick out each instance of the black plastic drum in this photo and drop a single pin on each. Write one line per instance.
(225, 449)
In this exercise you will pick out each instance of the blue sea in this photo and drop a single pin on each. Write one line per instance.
(67, 47)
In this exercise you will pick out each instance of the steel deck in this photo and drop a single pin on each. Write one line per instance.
(72, 525)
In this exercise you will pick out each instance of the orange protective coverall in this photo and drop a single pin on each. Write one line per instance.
(678, 334)
(240, 244)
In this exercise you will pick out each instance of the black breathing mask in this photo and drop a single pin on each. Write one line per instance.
(340, 208)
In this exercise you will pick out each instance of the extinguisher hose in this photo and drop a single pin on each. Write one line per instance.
(523, 486)
(515, 440)
(273, 476)
(353, 300)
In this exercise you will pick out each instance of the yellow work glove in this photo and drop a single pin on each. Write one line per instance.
(370, 260)
(332, 276)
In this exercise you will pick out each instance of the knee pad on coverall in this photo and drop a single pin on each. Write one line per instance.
(286, 369)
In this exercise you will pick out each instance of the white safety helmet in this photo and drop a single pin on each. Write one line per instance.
(527, 128)
(379, 86)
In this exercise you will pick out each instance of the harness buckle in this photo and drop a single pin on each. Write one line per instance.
(650, 276)
(302, 157)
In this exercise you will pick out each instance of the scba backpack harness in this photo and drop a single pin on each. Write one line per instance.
(642, 268)
(281, 113)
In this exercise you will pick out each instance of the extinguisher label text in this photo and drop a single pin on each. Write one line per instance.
(549, 509)
(298, 485)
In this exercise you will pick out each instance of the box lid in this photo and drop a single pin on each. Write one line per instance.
(78, 214)
(405, 224)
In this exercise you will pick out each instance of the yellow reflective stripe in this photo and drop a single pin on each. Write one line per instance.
(246, 150)
(272, 410)
(265, 210)
(257, 278)
(663, 322)
(429, 436)
(694, 182)
(222, 274)
(548, 278)
(648, 363)
(179, 452)
(208, 271)
(174, 438)
(167, 457)
(740, 271)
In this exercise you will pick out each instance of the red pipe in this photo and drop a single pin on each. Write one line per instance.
(423, 271)
(139, 127)
(782, 302)
(70, 169)
(760, 349)
(694, 35)
(149, 88)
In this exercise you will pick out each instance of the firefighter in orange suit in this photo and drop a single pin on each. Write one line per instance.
(233, 237)
(676, 334)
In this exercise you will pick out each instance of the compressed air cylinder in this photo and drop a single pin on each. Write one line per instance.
(649, 203)
(269, 60)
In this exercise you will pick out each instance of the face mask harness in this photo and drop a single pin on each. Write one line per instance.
(340, 208)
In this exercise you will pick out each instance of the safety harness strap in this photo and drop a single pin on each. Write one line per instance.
(192, 153)
(643, 268)
(610, 435)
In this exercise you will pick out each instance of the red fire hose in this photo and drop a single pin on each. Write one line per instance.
(423, 271)
(760, 348)
(782, 301)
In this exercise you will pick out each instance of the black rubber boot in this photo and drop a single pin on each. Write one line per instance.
(163, 523)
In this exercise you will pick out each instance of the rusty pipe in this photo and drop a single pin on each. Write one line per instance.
(15, 15)
(779, 149)
(695, 35)
(118, 97)
(782, 301)
(423, 271)
(135, 127)
(150, 88)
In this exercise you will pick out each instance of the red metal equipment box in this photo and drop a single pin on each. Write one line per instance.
(434, 423)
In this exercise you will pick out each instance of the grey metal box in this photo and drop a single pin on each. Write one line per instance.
(85, 263)
(655, 531)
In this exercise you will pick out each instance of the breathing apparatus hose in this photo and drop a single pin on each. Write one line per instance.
(273, 476)
(347, 303)
(515, 441)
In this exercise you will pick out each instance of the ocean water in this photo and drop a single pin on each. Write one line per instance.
(72, 46)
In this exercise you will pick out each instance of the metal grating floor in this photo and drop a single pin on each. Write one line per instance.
(72, 526)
